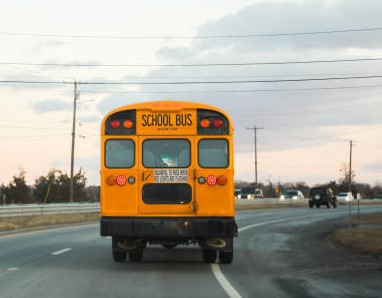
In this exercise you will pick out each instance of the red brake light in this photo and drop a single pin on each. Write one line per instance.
(218, 123)
(121, 180)
(115, 124)
(211, 180)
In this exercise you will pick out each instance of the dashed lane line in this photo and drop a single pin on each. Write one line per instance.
(62, 251)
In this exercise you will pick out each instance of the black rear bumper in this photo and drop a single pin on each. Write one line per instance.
(164, 227)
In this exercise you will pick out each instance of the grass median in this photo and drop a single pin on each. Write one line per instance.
(361, 234)
(34, 221)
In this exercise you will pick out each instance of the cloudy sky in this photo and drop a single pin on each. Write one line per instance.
(309, 73)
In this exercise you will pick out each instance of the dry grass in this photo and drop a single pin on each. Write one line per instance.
(362, 234)
(25, 222)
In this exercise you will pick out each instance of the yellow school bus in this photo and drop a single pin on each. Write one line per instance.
(167, 179)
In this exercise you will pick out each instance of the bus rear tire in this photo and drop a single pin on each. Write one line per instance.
(119, 256)
(226, 257)
(209, 255)
(136, 255)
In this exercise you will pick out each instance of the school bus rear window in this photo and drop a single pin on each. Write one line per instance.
(119, 153)
(213, 153)
(166, 153)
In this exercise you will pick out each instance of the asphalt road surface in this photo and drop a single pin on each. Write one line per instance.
(279, 253)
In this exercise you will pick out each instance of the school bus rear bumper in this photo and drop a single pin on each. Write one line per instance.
(162, 227)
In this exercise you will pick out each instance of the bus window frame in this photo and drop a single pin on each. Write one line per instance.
(227, 165)
(124, 140)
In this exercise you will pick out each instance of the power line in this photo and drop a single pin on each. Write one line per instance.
(238, 91)
(233, 36)
(196, 82)
(191, 64)
(223, 91)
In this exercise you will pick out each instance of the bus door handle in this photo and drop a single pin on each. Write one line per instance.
(195, 172)
(195, 206)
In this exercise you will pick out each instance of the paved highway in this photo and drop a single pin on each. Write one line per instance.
(279, 253)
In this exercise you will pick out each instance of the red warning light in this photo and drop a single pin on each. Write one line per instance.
(218, 123)
(115, 124)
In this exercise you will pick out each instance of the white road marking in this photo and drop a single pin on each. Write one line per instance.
(262, 224)
(227, 287)
(11, 269)
(224, 283)
(61, 251)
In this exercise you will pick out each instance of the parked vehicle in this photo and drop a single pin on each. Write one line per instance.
(322, 196)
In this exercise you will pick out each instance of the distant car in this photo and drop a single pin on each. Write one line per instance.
(322, 196)
(377, 197)
(292, 195)
(236, 193)
(344, 196)
(250, 193)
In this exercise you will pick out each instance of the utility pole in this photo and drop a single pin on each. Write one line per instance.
(350, 171)
(76, 94)
(255, 128)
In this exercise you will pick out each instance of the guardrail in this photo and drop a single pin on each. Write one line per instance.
(48, 209)
(265, 201)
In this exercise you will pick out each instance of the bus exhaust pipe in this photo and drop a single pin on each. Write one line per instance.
(130, 244)
(216, 243)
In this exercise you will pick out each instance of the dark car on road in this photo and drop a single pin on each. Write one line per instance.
(322, 196)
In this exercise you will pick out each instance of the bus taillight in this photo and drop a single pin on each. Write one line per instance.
(121, 180)
(222, 180)
(110, 180)
(211, 180)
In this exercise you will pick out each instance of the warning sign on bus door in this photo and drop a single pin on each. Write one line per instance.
(170, 175)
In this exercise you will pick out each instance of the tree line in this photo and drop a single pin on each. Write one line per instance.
(55, 188)
(51, 188)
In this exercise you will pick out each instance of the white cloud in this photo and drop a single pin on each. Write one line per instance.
(48, 106)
